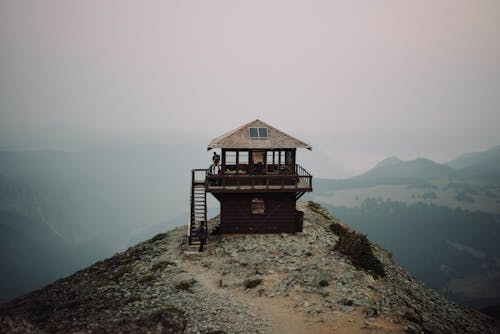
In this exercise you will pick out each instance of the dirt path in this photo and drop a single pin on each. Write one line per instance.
(277, 311)
(285, 319)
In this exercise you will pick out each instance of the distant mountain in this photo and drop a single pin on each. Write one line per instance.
(60, 210)
(391, 161)
(418, 169)
(390, 171)
(482, 165)
(488, 157)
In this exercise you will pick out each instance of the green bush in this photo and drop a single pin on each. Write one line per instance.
(358, 249)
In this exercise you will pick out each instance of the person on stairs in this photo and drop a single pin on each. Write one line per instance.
(202, 234)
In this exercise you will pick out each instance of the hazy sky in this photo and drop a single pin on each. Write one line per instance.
(358, 80)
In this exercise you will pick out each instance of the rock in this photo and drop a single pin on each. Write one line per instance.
(370, 312)
(346, 302)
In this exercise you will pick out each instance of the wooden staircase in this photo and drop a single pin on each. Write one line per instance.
(198, 204)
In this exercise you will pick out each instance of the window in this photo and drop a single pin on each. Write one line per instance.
(258, 133)
(243, 158)
(258, 206)
(230, 158)
(254, 132)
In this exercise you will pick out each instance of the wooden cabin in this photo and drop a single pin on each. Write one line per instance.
(257, 182)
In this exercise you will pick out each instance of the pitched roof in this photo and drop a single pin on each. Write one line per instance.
(240, 138)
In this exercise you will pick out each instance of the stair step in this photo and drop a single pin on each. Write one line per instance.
(198, 202)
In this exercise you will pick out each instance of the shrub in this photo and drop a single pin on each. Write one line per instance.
(147, 278)
(158, 237)
(252, 283)
(429, 195)
(216, 230)
(315, 207)
(462, 196)
(186, 284)
(358, 249)
(323, 283)
(338, 229)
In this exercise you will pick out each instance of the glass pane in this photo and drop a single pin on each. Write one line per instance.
(243, 158)
(263, 132)
(230, 157)
(253, 132)
(269, 157)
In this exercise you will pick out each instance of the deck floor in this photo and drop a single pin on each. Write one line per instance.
(301, 186)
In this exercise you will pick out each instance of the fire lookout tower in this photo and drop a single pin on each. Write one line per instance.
(257, 182)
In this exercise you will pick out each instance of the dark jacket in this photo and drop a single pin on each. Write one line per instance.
(202, 233)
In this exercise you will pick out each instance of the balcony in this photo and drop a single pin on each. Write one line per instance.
(257, 179)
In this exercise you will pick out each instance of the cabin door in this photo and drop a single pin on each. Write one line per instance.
(258, 161)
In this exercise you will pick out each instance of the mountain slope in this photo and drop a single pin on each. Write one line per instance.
(419, 169)
(249, 284)
(85, 204)
(479, 165)
(488, 157)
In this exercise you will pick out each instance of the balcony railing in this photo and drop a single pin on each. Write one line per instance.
(276, 178)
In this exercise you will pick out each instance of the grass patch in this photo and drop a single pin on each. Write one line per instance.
(316, 208)
(162, 265)
(159, 237)
(357, 248)
(338, 229)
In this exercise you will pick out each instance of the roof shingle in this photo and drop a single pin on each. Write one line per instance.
(239, 139)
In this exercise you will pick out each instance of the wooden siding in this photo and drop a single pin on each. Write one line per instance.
(280, 214)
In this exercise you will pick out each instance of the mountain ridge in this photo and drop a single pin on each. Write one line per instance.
(293, 283)
(418, 169)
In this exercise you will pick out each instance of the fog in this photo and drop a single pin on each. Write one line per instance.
(357, 81)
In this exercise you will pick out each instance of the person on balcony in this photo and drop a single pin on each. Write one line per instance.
(214, 167)
(215, 159)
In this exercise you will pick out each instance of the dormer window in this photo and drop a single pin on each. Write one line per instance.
(258, 133)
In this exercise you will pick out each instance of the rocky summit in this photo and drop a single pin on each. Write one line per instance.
(327, 279)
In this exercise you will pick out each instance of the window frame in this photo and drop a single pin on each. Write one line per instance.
(258, 206)
(258, 131)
